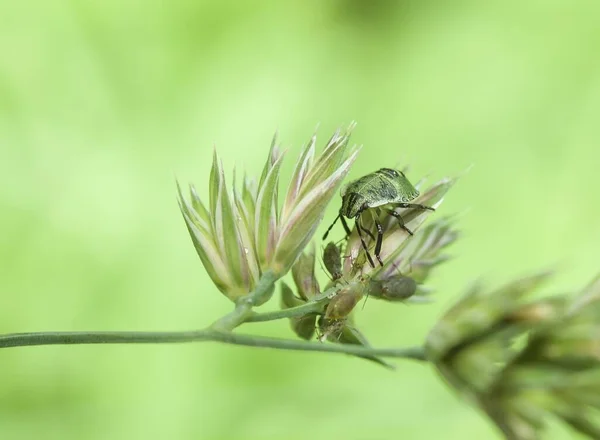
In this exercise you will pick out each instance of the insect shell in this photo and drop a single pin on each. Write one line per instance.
(385, 186)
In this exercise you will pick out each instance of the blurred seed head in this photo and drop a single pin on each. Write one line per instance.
(522, 361)
(243, 233)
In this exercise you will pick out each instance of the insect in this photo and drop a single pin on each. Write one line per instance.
(394, 289)
(332, 261)
(385, 189)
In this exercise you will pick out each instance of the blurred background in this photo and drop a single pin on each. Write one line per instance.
(103, 102)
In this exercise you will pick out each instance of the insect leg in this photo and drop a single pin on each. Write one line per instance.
(400, 220)
(334, 222)
(379, 241)
(415, 205)
(362, 240)
(369, 233)
(345, 225)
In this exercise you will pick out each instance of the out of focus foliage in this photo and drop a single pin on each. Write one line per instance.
(101, 102)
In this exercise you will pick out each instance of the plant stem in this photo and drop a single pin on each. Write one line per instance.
(230, 321)
(209, 334)
(243, 307)
(219, 331)
(262, 292)
(292, 312)
(243, 311)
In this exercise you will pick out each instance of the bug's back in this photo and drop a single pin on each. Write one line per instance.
(382, 187)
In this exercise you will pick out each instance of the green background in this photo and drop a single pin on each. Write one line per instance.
(102, 103)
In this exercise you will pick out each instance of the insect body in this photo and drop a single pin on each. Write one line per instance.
(385, 189)
(332, 259)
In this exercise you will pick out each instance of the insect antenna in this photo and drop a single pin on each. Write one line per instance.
(332, 225)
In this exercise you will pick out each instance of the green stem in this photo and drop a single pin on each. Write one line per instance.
(243, 310)
(292, 312)
(244, 305)
(232, 320)
(219, 331)
(66, 338)
(262, 292)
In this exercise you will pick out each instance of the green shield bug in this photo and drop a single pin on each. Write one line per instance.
(385, 189)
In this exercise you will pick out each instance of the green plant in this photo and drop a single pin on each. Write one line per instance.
(519, 360)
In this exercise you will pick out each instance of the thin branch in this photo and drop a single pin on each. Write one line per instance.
(262, 292)
(219, 331)
(67, 338)
(292, 312)
(243, 311)
(243, 307)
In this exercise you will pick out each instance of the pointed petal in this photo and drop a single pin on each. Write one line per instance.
(249, 200)
(274, 155)
(199, 206)
(265, 222)
(246, 233)
(306, 217)
(327, 162)
(206, 249)
(228, 236)
(300, 173)
(213, 185)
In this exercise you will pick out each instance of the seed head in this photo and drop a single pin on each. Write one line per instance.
(522, 361)
(244, 233)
